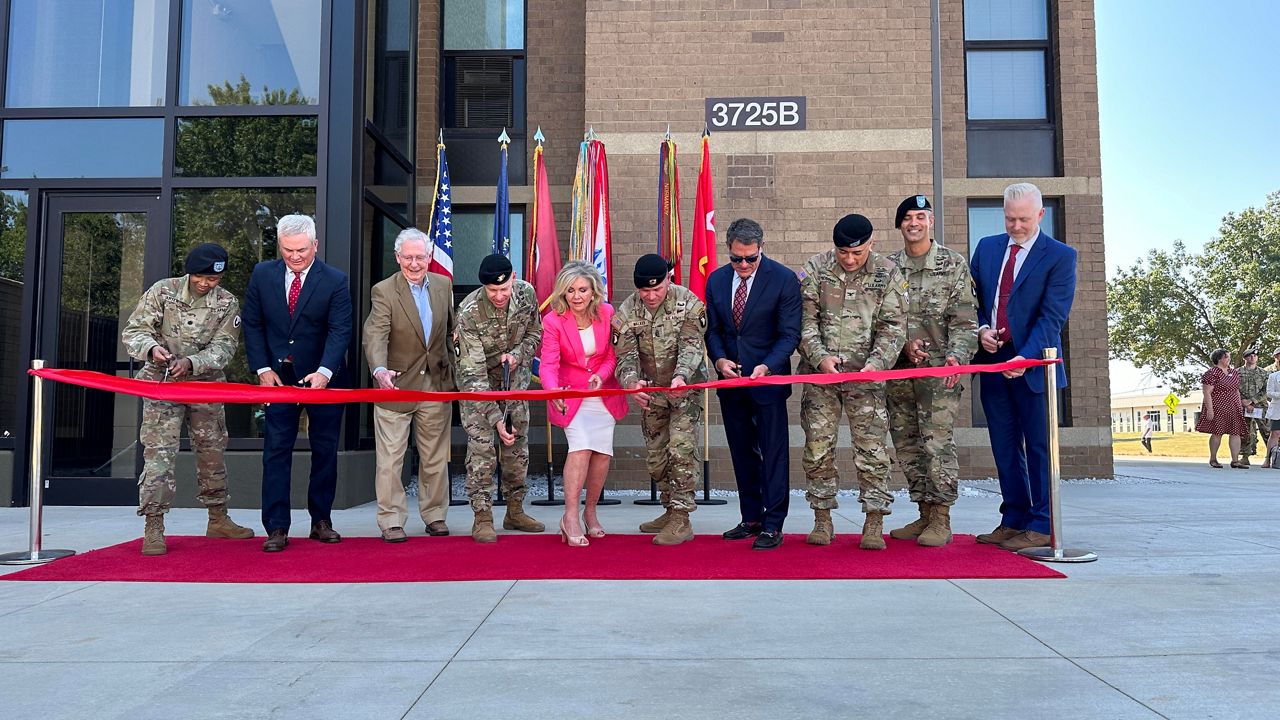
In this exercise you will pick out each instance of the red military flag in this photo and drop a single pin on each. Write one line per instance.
(544, 247)
(669, 239)
(702, 255)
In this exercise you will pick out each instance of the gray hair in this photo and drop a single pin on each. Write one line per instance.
(745, 231)
(410, 235)
(1018, 191)
(296, 225)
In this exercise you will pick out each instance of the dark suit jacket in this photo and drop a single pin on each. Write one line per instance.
(1038, 306)
(393, 336)
(318, 333)
(770, 328)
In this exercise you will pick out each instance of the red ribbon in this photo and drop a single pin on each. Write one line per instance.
(221, 392)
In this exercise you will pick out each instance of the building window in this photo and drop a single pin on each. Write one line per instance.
(473, 240)
(483, 87)
(243, 52)
(82, 147)
(1009, 89)
(986, 218)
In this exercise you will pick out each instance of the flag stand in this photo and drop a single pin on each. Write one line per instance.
(706, 498)
(551, 477)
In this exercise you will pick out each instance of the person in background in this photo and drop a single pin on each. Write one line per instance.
(1147, 428)
(577, 354)
(1222, 413)
(1273, 417)
(1253, 396)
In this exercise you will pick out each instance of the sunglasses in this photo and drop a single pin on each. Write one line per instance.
(749, 259)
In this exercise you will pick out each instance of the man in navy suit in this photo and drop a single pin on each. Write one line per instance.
(753, 326)
(1025, 281)
(297, 328)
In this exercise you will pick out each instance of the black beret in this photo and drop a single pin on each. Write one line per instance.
(851, 231)
(650, 270)
(207, 259)
(915, 202)
(495, 269)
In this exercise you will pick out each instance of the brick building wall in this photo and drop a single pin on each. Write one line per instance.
(629, 69)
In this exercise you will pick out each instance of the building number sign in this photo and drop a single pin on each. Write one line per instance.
(771, 113)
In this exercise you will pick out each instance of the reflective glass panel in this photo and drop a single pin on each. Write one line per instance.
(243, 220)
(1006, 85)
(250, 52)
(473, 240)
(13, 250)
(391, 101)
(483, 24)
(263, 146)
(86, 53)
(108, 147)
(94, 431)
(1006, 20)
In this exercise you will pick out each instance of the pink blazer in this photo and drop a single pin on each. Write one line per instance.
(563, 362)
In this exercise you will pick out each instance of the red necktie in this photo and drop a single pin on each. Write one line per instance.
(739, 302)
(1002, 302)
(295, 289)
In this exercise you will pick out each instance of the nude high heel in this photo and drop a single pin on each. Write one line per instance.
(572, 540)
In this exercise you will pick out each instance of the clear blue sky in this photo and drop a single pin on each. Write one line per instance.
(1189, 106)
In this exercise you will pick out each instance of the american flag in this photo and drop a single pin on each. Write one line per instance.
(441, 225)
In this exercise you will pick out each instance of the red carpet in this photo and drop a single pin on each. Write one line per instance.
(532, 557)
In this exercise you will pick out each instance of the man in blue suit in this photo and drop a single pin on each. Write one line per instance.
(753, 326)
(1025, 282)
(297, 328)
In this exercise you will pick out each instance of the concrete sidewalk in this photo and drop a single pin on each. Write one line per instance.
(1180, 618)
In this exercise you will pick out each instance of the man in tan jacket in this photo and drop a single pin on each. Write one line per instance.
(406, 341)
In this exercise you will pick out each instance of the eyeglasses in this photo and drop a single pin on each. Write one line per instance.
(414, 258)
(749, 259)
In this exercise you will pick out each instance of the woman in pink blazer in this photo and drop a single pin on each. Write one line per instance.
(577, 353)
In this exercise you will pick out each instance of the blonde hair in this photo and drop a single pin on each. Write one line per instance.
(569, 274)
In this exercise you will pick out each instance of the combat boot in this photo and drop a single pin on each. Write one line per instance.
(912, 530)
(655, 525)
(872, 532)
(153, 536)
(482, 527)
(939, 531)
(823, 531)
(677, 530)
(222, 526)
(516, 518)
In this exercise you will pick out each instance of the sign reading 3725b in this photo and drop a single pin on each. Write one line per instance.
(771, 113)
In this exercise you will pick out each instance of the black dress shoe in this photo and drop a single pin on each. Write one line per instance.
(276, 541)
(323, 531)
(768, 540)
(741, 531)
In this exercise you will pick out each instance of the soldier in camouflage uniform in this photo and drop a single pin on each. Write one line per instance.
(942, 329)
(185, 328)
(658, 337)
(853, 319)
(497, 323)
(1253, 395)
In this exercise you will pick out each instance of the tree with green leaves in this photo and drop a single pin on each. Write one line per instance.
(1170, 310)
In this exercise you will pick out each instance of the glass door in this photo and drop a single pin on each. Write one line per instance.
(96, 268)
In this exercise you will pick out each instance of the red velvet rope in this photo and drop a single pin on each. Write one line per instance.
(217, 392)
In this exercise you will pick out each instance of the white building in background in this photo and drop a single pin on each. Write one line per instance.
(1130, 410)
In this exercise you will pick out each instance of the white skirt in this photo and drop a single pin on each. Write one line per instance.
(591, 428)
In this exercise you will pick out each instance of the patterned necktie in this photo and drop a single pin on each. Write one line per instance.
(295, 289)
(1002, 303)
(739, 302)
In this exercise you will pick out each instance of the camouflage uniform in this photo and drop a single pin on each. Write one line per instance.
(860, 317)
(1253, 389)
(922, 412)
(657, 346)
(206, 330)
(484, 335)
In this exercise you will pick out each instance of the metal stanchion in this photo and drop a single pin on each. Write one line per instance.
(653, 496)
(35, 555)
(1056, 553)
(706, 498)
(551, 476)
(448, 479)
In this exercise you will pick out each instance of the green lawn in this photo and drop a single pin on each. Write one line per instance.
(1183, 444)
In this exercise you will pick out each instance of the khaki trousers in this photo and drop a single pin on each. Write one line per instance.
(430, 422)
